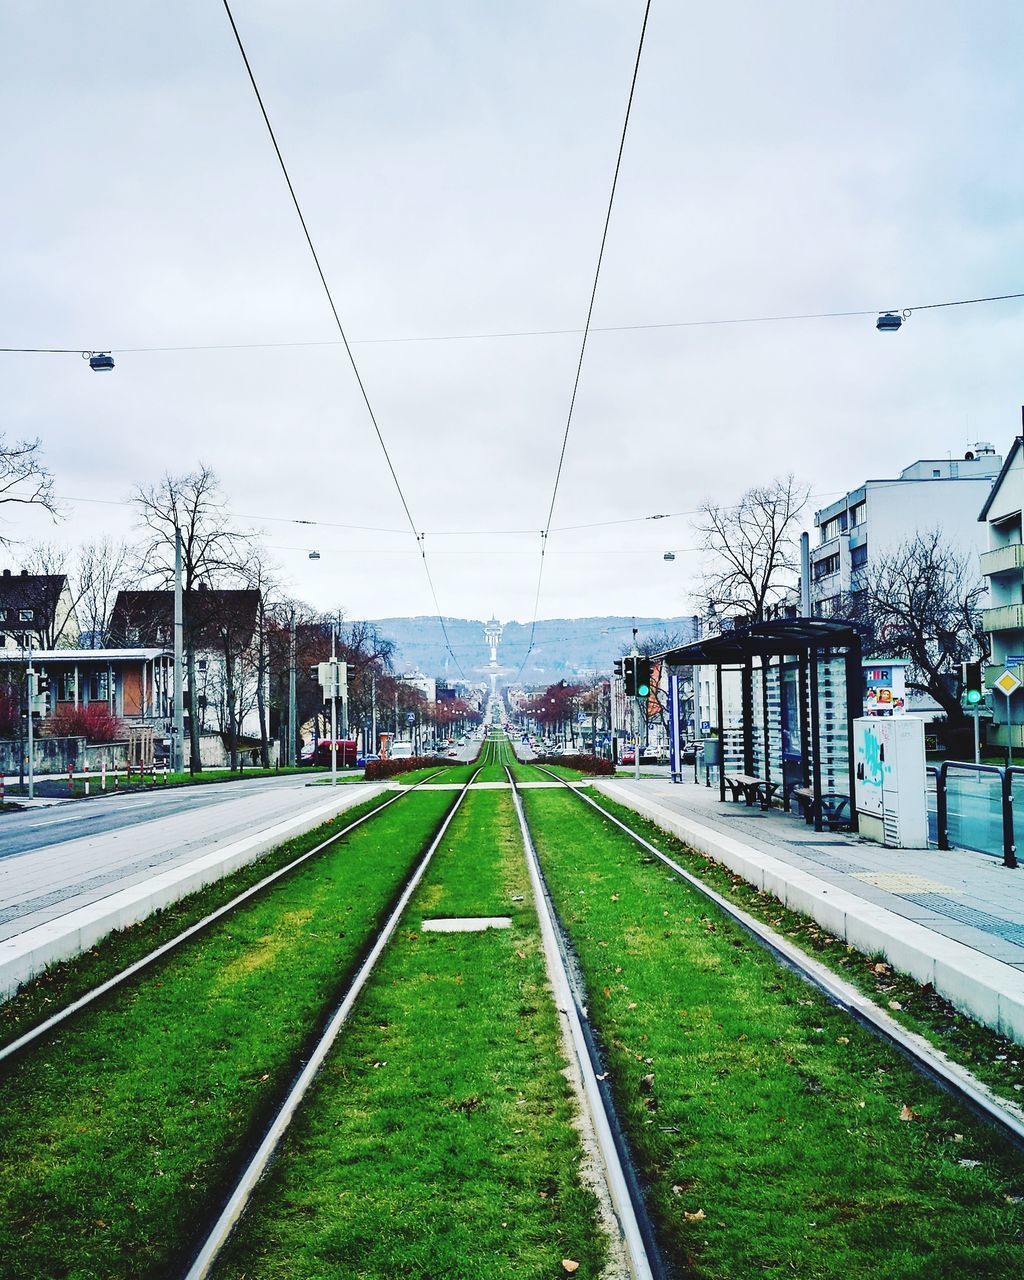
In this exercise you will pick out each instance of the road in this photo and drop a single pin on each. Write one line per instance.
(55, 860)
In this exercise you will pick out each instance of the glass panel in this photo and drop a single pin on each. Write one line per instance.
(732, 721)
(974, 817)
(931, 783)
(757, 726)
(835, 743)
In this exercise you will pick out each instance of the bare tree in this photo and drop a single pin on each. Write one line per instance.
(210, 546)
(103, 569)
(922, 601)
(95, 573)
(24, 479)
(755, 547)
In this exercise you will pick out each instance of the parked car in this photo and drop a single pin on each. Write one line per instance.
(363, 761)
(628, 756)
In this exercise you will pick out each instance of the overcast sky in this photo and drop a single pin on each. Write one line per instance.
(454, 160)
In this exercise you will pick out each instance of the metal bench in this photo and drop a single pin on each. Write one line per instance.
(832, 806)
(745, 786)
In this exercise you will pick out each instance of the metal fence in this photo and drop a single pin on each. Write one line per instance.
(971, 806)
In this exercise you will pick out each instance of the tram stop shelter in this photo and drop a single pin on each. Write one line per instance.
(787, 694)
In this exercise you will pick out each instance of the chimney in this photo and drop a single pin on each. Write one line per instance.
(24, 573)
(7, 573)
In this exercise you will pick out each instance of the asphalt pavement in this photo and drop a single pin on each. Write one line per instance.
(55, 860)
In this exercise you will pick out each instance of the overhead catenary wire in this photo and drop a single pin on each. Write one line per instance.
(341, 329)
(586, 329)
(645, 326)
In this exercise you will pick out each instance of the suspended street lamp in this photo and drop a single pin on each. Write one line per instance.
(890, 321)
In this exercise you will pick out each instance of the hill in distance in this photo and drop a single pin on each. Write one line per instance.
(563, 648)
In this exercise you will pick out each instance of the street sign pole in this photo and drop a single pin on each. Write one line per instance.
(1008, 684)
(30, 680)
(334, 714)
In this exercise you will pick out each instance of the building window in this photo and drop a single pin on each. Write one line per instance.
(67, 686)
(99, 689)
(834, 527)
(25, 615)
(859, 556)
(827, 566)
(858, 514)
(936, 473)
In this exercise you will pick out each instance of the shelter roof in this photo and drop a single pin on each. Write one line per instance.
(766, 639)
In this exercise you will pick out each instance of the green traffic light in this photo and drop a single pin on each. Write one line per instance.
(973, 696)
(643, 690)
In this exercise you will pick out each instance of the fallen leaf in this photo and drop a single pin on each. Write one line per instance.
(895, 1004)
(958, 1137)
(570, 1265)
(615, 897)
(881, 968)
(907, 1113)
(968, 1164)
(842, 1039)
(631, 1005)
(694, 1217)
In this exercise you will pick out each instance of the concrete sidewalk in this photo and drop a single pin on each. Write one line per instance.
(954, 919)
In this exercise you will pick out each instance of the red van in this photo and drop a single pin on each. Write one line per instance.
(321, 754)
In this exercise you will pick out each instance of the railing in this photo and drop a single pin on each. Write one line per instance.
(974, 808)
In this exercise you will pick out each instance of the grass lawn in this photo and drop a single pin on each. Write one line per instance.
(437, 1141)
(117, 1133)
(993, 1058)
(776, 1137)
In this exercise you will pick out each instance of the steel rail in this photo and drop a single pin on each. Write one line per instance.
(23, 1041)
(620, 1175)
(218, 1235)
(919, 1052)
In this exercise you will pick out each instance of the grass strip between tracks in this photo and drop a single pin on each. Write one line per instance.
(64, 982)
(992, 1058)
(438, 1139)
(774, 1134)
(119, 1134)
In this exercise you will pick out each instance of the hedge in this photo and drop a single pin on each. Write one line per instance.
(378, 770)
(582, 763)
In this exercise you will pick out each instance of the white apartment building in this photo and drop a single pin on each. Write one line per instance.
(1003, 566)
(944, 493)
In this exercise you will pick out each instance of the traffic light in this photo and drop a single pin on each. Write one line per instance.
(629, 676)
(971, 676)
(643, 677)
(619, 667)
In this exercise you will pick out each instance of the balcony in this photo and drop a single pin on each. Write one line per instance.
(1003, 559)
(1009, 617)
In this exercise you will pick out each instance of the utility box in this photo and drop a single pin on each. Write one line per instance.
(891, 783)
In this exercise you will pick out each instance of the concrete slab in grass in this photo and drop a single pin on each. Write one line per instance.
(466, 924)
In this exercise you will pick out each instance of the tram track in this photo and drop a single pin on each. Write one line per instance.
(22, 1042)
(623, 1184)
(929, 1062)
(195, 1056)
(257, 1163)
